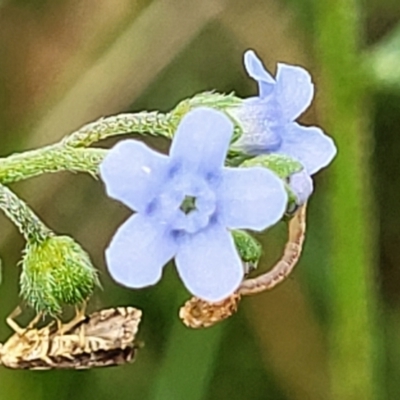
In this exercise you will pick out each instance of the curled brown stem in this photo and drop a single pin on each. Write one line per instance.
(283, 268)
(197, 313)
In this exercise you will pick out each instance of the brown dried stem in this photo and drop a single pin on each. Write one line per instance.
(197, 313)
(283, 268)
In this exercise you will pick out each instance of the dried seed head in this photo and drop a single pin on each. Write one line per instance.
(104, 338)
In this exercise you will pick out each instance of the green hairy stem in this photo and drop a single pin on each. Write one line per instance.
(52, 158)
(153, 123)
(71, 153)
(27, 222)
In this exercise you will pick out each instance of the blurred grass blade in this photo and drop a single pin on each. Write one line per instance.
(189, 363)
(354, 329)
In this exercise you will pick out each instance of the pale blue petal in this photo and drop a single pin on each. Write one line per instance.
(138, 251)
(256, 70)
(251, 198)
(302, 186)
(209, 265)
(201, 142)
(133, 173)
(260, 120)
(294, 90)
(309, 145)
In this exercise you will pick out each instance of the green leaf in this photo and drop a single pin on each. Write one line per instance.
(249, 249)
(282, 165)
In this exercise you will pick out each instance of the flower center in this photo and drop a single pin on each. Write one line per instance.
(188, 204)
(197, 205)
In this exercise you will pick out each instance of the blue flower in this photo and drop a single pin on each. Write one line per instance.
(185, 206)
(268, 120)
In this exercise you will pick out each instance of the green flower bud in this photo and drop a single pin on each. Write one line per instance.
(248, 248)
(55, 272)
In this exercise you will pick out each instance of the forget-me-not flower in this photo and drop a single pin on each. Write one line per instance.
(268, 119)
(185, 205)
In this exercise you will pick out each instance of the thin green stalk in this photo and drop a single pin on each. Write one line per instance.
(153, 123)
(71, 153)
(27, 222)
(54, 158)
(353, 344)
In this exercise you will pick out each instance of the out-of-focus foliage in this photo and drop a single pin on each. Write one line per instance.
(384, 61)
(66, 63)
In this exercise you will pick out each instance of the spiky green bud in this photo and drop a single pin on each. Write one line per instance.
(55, 272)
